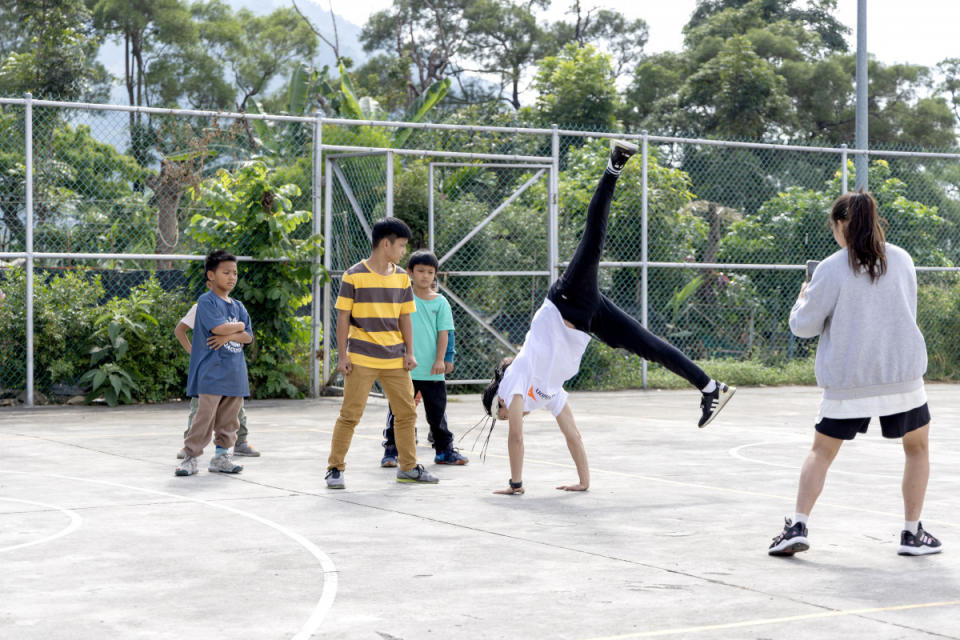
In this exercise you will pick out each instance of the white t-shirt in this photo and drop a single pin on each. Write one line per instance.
(191, 316)
(550, 356)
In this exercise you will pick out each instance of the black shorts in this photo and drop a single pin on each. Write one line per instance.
(893, 426)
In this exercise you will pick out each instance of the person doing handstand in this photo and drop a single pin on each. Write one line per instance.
(559, 333)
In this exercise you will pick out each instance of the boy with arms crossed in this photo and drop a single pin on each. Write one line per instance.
(242, 447)
(218, 370)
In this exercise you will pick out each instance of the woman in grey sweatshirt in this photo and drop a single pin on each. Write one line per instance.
(862, 302)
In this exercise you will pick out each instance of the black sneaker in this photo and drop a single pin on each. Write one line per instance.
(792, 539)
(620, 152)
(921, 544)
(711, 403)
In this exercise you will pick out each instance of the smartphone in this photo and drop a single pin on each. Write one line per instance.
(811, 267)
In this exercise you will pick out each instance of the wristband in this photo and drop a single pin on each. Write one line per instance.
(515, 485)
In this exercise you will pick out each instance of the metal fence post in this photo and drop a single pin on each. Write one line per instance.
(843, 169)
(389, 183)
(315, 319)
(327, 234)
(430, 205)
(553, 207)
(28, 204)
(644, 256)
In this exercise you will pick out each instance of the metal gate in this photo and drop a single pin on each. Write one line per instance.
(492, 288)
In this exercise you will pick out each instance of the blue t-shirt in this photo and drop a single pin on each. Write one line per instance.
(221, 372)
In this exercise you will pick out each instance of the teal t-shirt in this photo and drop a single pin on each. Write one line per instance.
(431, 317)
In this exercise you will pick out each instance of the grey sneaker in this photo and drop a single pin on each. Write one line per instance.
(224, 464)
(417, 475)
(335, 479)
(245, 449)
(181, 454)
(188, 467)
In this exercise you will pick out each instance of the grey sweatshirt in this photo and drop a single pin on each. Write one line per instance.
(870, 343)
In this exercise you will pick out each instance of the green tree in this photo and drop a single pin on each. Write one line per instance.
(251, 210)
(503, 36)
(49, 48)
(576, 89)
(428, 36)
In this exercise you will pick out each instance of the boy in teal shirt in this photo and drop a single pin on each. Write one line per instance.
(432, 327)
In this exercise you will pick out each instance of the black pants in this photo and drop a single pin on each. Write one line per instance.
(434, 395)
(577, 295)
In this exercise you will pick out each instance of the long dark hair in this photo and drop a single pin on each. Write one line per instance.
(864, 232)
(490, 392)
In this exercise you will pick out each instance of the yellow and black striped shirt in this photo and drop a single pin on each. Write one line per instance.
(375, 303)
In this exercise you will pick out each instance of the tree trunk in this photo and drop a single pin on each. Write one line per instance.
(168, 190)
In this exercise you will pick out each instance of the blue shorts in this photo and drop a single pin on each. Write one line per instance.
(893, 426)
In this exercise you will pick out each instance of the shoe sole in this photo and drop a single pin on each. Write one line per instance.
(247, 455)
(182, 474)
(412, 481)
(235, 470)
(918, 551)
(451, 464)
(794, 546)
(723, 402)
(390, 464)
(624, 145)
(336, 486)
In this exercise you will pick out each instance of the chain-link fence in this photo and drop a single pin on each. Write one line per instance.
(706, 244)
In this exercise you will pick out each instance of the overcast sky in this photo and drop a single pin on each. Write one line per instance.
(916, 31)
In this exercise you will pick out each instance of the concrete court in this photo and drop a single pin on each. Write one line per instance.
(98, 539)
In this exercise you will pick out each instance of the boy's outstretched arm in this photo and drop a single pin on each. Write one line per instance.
(575, 444)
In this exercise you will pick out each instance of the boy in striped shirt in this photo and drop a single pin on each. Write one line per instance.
(375, 342)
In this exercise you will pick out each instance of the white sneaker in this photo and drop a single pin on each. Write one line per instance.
(224, 464)
(188, 467)
(417, 475)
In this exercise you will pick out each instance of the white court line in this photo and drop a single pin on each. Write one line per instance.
(75, 521)
(736, 453)
(329, 569)
(761, 621)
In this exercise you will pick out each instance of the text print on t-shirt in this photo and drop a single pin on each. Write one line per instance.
(233, 347)
(537, 392)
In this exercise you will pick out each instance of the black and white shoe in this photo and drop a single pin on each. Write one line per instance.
(792, 539)
(922, 544)
(711, 403)
(620, 152)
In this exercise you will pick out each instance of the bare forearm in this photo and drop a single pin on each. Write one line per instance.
(228, 328)
(182, 338)
(578, 452)
(343, 331)
(515, 438)
(406, 330)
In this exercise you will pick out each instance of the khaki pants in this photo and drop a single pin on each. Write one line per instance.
(398, 388)
(216, 415)
(241, 417)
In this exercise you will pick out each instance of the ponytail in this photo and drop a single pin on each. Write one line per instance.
(863, 232)
(490, 392)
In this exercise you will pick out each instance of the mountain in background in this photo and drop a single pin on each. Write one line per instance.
(111, 52)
